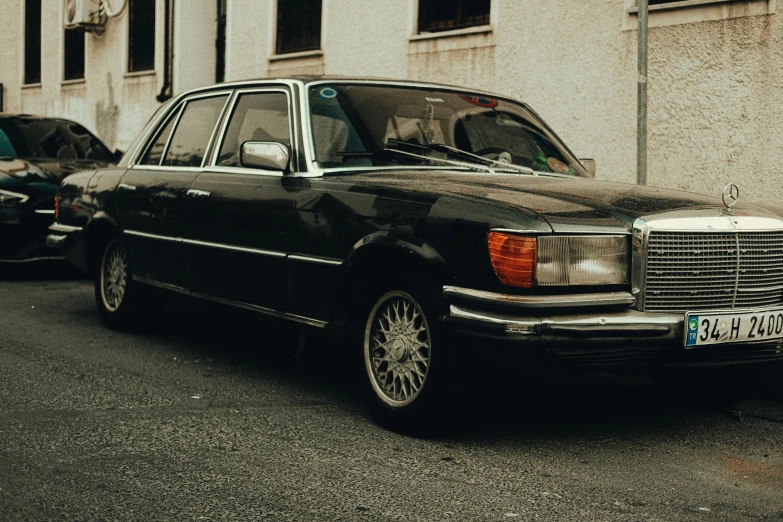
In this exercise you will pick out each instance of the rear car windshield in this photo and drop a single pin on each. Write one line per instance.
(356, 119)
(55, 139)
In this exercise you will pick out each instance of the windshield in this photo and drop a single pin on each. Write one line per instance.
(352, 124)
(55, 139)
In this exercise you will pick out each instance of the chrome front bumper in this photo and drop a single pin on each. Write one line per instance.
(559, 318)
(591, 329)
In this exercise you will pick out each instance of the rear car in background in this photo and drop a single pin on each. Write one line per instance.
(36, 153)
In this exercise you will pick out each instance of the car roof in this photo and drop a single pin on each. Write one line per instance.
(33, 117)
(313, 78)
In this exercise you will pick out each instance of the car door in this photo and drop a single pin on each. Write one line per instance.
(151, 194)
(241, 218)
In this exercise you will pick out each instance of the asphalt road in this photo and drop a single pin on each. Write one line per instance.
(210, 417)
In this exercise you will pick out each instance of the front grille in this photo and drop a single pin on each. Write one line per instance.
(694, 271)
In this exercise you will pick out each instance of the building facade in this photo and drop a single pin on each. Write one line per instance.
(715, 73)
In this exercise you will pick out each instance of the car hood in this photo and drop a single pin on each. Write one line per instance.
(44, 170)
(568, 204)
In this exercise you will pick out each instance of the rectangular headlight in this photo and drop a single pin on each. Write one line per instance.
(582, 260)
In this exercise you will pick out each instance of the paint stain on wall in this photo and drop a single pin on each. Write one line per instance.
(107, 116)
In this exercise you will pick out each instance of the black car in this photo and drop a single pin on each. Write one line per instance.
(425, 224)
(35, 155)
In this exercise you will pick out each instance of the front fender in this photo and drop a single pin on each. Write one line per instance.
(406, 246)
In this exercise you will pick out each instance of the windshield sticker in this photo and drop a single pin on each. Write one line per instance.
(327, 93)
(481, 101)
(434, 100)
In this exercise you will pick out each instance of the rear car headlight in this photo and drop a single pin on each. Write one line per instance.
(12, 199)
(558, 260)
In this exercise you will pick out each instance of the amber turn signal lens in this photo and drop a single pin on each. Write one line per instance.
(513, 258)
(56, 208)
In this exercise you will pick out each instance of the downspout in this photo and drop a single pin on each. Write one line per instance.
(641, 97)
(168, 53)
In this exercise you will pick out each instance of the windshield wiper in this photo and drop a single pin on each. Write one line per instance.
(441, 147)
(390, 151)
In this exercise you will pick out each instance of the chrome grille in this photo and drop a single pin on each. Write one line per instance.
(693, 271)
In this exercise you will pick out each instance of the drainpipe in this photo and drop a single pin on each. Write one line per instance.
(168, 53)
(641, 107)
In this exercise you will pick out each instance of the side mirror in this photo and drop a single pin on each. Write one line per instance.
(267, 155)
(589, 165)
(118, 154)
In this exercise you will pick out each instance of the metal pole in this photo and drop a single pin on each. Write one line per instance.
(641, 107)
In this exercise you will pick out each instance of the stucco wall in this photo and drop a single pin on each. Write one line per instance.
(715, 87)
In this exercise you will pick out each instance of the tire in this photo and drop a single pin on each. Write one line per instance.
(119, 300)
(405, 357)
(719, 386)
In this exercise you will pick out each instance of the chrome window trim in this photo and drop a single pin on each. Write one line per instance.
(166, 168)
(149, 140)
(243, 170)
(185, 104)
(238, 304)
(307, 124)
(227, 118)
(136, 154)
(218, 125)
(179, 107)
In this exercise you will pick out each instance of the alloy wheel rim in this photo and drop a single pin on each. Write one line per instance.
(397, 349)
(114, 276)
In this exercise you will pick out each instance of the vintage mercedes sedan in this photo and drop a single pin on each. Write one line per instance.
(425, 224)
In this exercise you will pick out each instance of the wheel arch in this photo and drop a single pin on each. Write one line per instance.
(97, 233)
(386, 253)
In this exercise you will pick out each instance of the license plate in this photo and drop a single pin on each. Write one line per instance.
(719, 328)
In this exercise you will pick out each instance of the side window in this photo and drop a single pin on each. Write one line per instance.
(256, 117)
(155, 152)
(191, 137)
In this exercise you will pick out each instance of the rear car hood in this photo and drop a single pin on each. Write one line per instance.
(45, 170)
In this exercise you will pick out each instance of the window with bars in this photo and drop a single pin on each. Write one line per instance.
(32, 41)
(141, 35)
(298, 26)
(73, 54)
(446, 15)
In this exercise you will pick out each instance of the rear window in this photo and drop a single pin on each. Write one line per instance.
(55, 139)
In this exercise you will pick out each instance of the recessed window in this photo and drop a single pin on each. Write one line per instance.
(189, 142)
(73, 51)
(32, 41)
(141, 35)
(220, 43)
(447, 15)
(257, 117)
(298, 26)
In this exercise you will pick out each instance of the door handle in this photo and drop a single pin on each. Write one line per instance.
(197, 194)
(125, 186)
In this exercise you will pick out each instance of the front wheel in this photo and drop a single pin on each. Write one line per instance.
(405, 359)
(116, 295)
